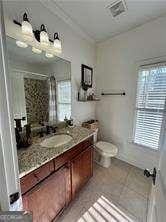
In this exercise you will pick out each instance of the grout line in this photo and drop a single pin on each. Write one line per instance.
(129, 209)
(144, 197)
(140, 194)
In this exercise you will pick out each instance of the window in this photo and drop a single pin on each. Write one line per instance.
(150, 105)
(64, 99)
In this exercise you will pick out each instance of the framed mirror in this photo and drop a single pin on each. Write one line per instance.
(87, 76)
(40, 86)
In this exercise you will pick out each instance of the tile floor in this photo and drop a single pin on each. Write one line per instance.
(121, 186)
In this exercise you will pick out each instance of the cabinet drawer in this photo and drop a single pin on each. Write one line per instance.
(30, 180)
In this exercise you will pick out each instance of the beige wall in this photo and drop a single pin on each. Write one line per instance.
(117, 63)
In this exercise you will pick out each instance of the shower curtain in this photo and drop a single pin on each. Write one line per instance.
(52, 100)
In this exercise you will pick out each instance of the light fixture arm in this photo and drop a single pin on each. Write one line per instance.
(16, 22)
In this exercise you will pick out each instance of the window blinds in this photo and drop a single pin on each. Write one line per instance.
(150, 105)
(64, 99)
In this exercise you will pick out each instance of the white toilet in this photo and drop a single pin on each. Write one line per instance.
(104, 151)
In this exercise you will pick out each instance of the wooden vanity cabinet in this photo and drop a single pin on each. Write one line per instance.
(47, 196)
(81, 169)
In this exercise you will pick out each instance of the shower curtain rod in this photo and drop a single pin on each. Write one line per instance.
(32, 73)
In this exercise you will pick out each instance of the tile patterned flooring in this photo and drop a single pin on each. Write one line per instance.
(122, 185)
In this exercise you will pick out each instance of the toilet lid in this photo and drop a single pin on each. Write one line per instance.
(107, 148)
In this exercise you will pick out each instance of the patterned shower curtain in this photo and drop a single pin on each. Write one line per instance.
(52, 100)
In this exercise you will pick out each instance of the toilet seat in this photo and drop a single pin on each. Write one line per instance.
(106, 149)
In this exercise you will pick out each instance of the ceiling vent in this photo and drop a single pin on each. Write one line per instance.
(117, 8)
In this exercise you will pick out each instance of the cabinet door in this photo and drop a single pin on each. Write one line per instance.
(49, 198)
(82, 169)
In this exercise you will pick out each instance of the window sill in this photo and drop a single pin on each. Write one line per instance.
(144, 147)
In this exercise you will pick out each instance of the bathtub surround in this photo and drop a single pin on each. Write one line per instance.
(37, 100)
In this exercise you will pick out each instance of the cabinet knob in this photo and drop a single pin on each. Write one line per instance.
(36, 177)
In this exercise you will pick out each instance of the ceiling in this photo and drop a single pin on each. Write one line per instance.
(95, 20)
(91, 19)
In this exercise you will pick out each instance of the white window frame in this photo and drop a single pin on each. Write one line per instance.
(66, 80)
(157, 64)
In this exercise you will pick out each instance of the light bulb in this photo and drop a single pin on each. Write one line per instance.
(44, 39)
(57, 43)
(37, 51)
(21, 44)
(49, 55)
(27, 30)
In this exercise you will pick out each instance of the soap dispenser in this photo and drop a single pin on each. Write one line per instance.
(66, 121)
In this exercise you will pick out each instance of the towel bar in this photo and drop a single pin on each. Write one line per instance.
(113, 94)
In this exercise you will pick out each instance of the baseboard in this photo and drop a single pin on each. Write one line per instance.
(134, 163)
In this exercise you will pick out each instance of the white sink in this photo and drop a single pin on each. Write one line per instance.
(55, 141)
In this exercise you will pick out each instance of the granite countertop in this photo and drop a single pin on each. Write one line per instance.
(35, 155)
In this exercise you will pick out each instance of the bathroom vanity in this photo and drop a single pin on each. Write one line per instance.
(51, 177)
(54, 164)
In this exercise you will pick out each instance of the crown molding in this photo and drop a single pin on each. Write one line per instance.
(58, 11)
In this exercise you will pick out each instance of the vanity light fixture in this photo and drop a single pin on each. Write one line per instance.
(38, 39)
(49, 55)
(21, 44)
(26, 27)
(44, 39)
(57, 43)
(37, 51)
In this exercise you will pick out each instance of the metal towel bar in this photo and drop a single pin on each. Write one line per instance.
(114, 94)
